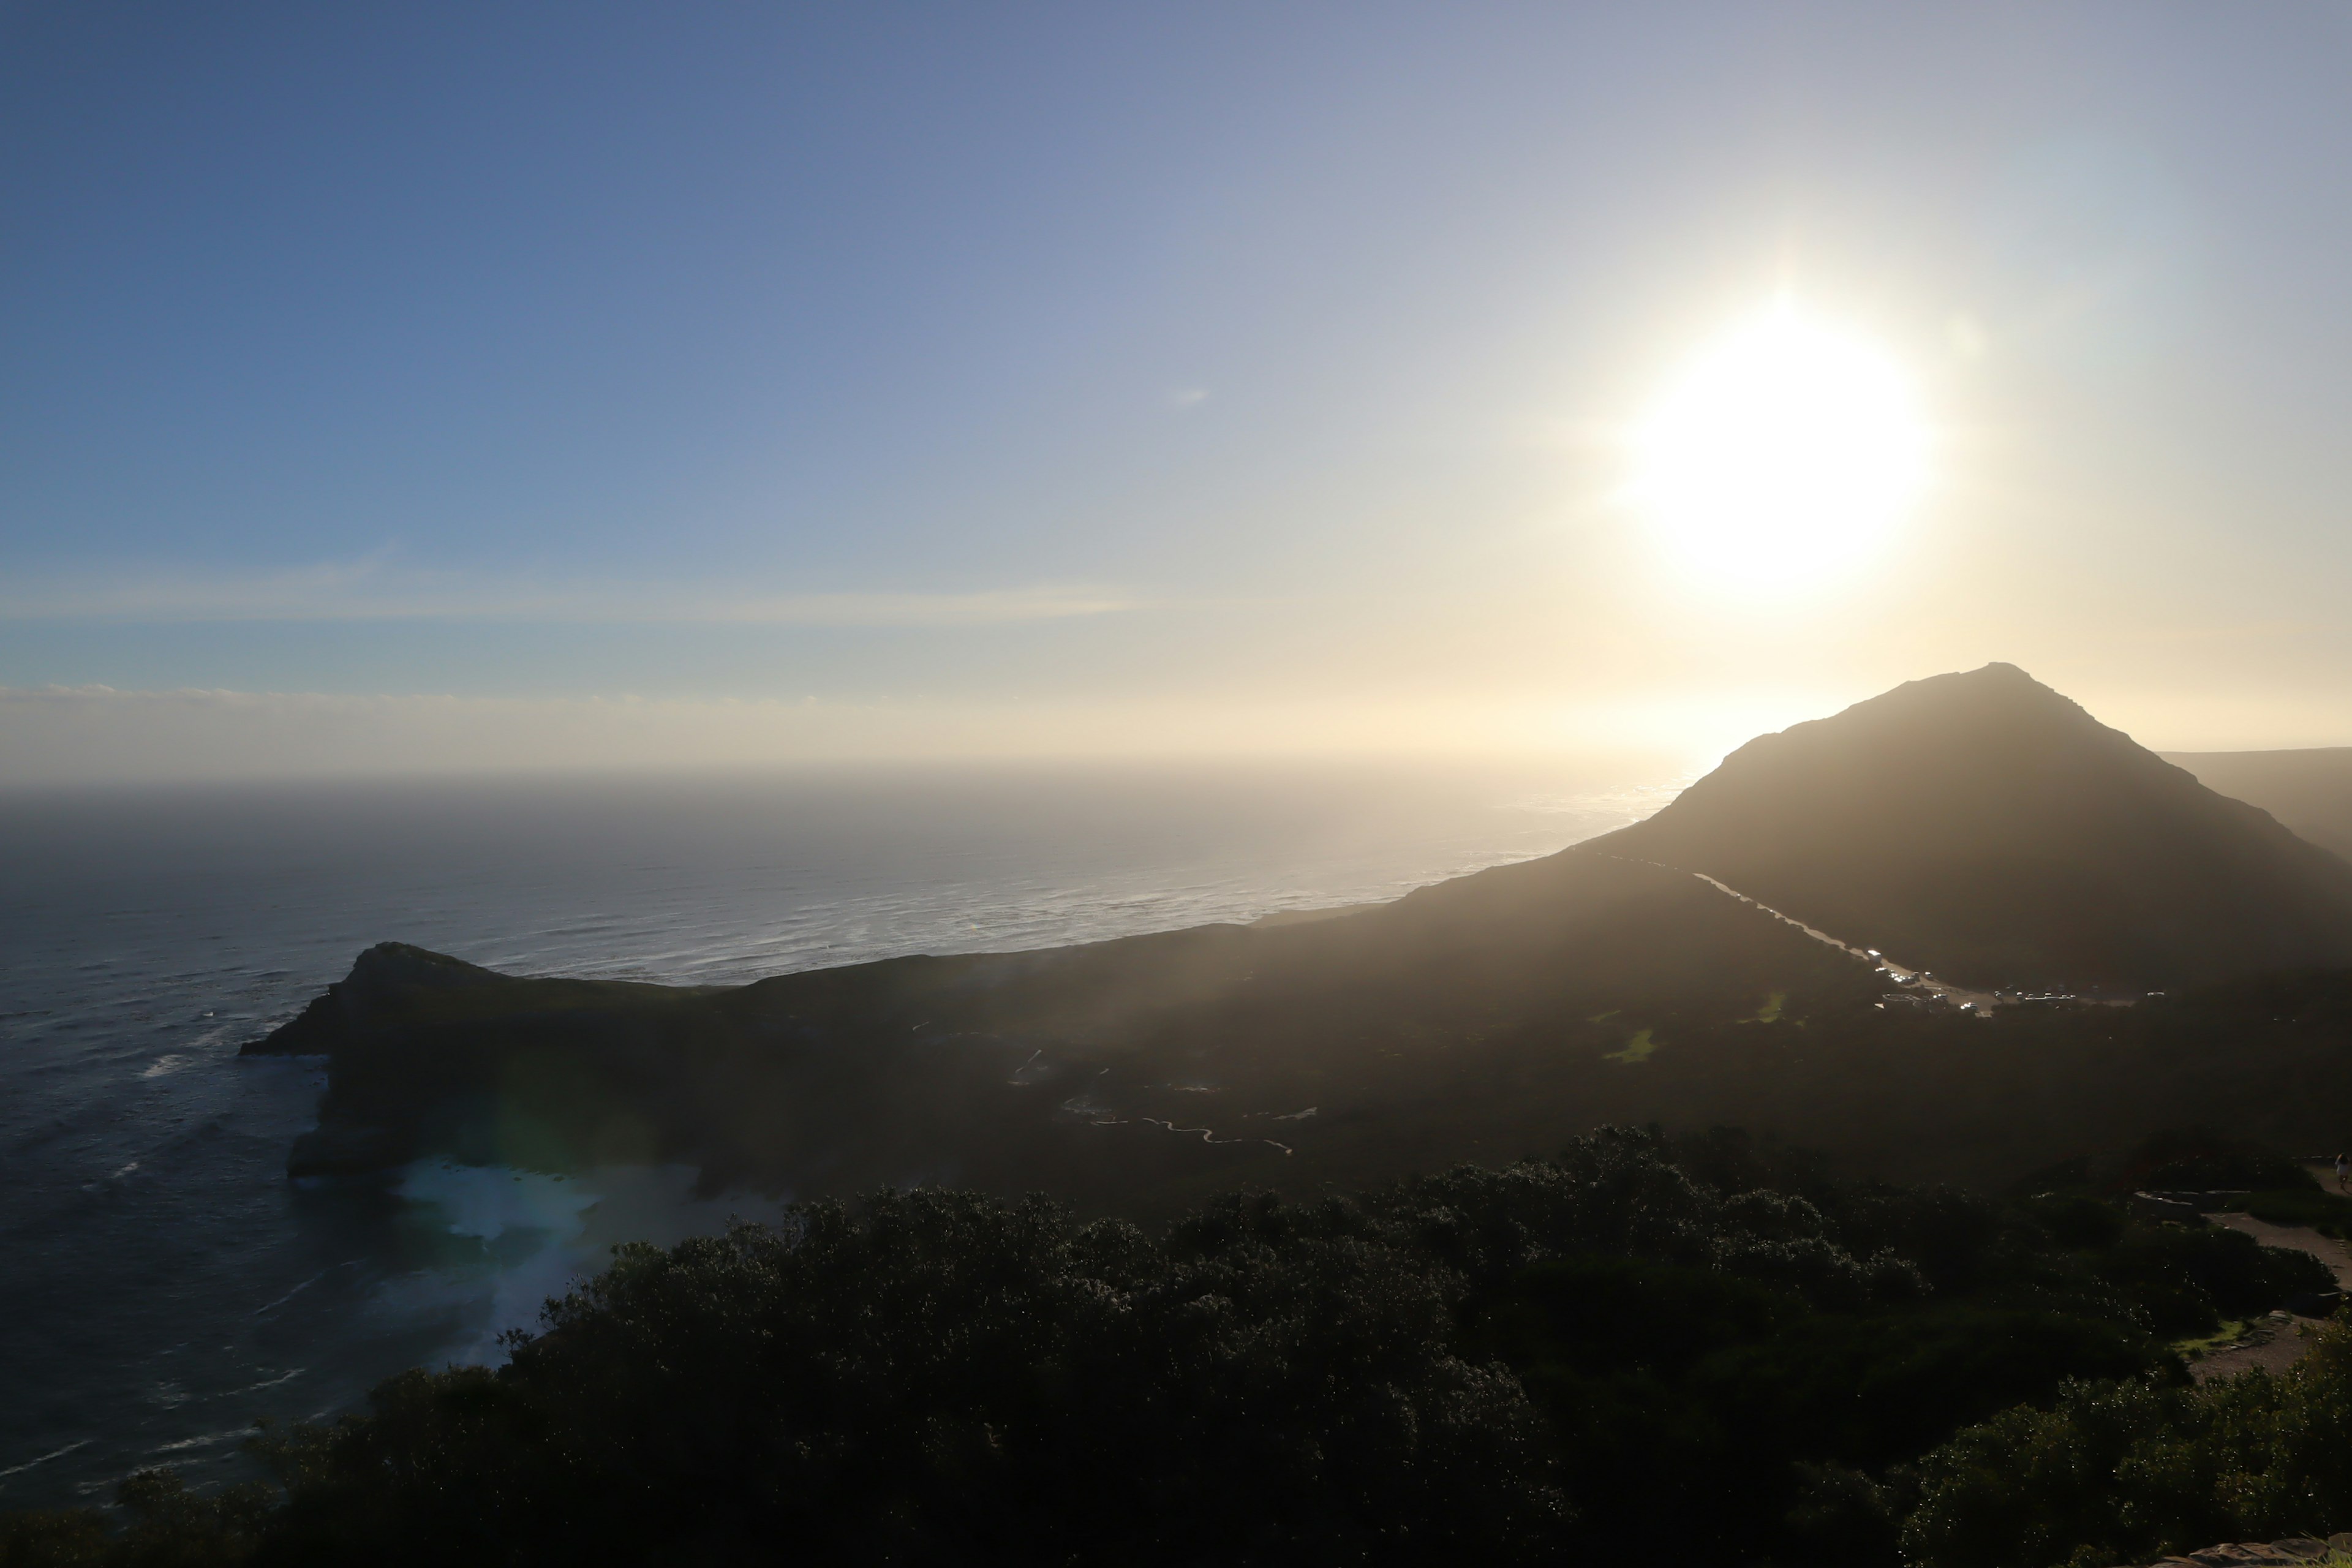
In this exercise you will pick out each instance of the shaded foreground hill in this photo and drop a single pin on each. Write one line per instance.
(1018, 1075)
(1985, 828)
(1979, 824)
(1470, 1020)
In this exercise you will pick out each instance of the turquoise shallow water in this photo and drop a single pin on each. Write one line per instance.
(163, 1286)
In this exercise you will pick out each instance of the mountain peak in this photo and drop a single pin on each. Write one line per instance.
(1985, 825)
(1993, 695)
(1988, 684)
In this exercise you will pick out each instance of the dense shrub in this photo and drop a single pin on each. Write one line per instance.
(2129, 1471)
(2199, 1159)
(1712, 1339)
(164, 1525)
(944, 1378)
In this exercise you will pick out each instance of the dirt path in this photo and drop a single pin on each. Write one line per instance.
(2280, 1341)
(2274, 1346)
(2296, 1237)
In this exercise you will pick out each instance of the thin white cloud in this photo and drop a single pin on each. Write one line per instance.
(986, 608)
(367, 591)
(87, 734)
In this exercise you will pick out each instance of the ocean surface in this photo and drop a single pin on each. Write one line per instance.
(163, 1286)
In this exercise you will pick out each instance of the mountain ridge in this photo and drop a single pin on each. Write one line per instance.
(1483, 1018)
(1984, 825)
(2308, 789)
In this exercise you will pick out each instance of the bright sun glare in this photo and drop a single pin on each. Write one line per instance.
(1782, 455)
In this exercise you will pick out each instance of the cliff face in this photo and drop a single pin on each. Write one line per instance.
(1984, 827)
(390, 982)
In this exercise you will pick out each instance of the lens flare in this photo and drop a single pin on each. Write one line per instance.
(1784, 455)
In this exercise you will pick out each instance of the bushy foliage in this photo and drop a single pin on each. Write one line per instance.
(2185, 1278)
(2132, 1471)
(2328, 1213)
(2199, 1159)
(164, 1525)
(939, 1377)
(1714, 1338)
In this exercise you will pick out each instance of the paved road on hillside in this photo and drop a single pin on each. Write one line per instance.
(1900, 973)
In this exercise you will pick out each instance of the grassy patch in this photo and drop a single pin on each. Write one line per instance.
(1771, 1012)
(1604, 1017)
(2197, 1345)
(1637, 1049)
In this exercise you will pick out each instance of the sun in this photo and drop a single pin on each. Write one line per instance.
(1785, 454)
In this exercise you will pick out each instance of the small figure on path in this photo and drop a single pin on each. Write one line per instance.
(2343, 1169)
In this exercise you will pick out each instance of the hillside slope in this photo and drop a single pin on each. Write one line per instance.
(2309, 791)
(1488, 1018)
(1979, 825)
(1985, 828)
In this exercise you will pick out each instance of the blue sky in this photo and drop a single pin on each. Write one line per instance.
(1234, 375)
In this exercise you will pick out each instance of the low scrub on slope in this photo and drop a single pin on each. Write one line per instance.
(1707, 1339)
(2131, 1470)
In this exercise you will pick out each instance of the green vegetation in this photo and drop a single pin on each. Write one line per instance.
(1636, 1049)
(1771, 1012)
(163, 1524)
(1710, 1340)
(2130, 1470)
(2231, 1331)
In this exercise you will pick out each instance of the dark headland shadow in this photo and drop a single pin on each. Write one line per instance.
(1979, 825)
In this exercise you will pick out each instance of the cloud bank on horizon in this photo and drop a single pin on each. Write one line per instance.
(71, 737)
(365, 591)
(426, 386)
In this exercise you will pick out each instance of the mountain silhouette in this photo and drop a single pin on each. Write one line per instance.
(2309, 790)
(1979, 825)
(1984, 827)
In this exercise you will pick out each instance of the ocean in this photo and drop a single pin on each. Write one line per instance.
(163, 1286)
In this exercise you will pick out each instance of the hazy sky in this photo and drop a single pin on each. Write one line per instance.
(417, 385)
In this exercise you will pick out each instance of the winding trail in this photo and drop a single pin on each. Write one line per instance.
(1208, 1135)
(2277, 1342)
